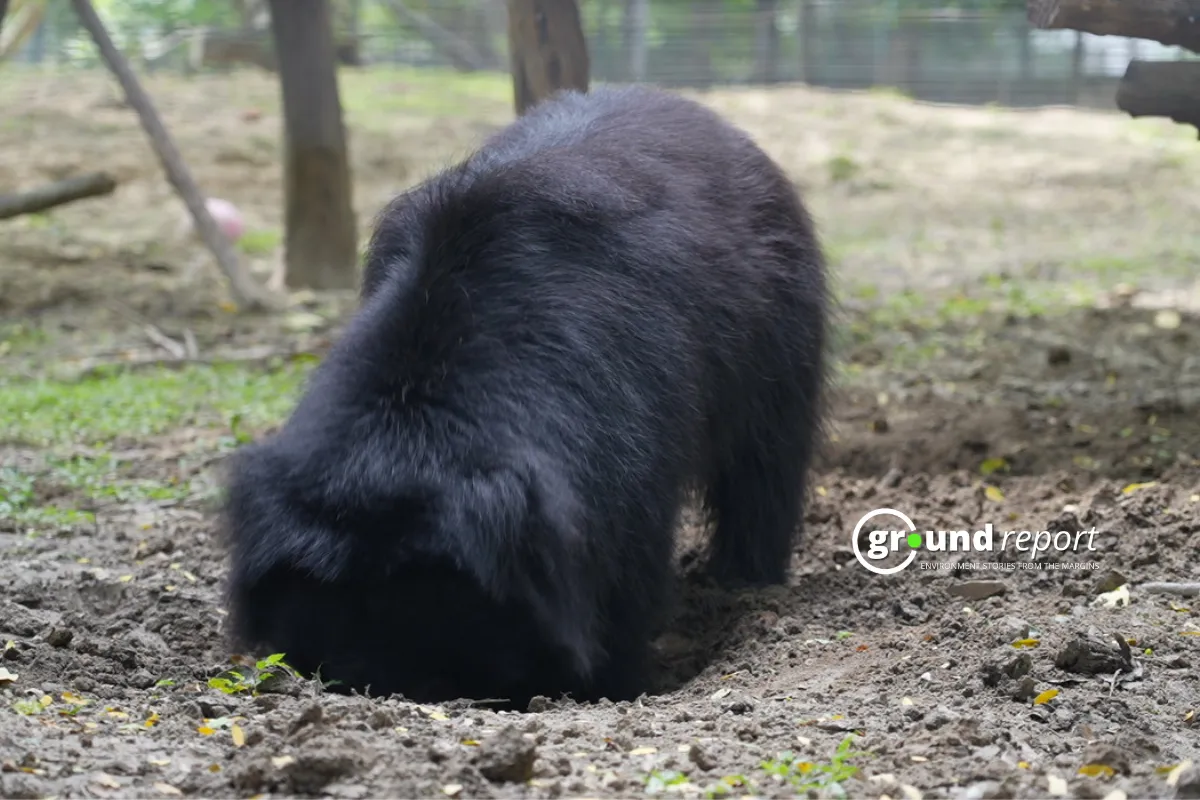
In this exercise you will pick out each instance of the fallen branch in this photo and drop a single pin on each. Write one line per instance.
(1181, 589)
(1161, 89)
(1169, 22)
(246, 293)
(56, 194)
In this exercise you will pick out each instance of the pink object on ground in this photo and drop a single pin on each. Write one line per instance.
(227, 217)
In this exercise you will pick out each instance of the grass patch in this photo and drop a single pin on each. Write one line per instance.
(372, 95)
(261, 242)
(94, 412)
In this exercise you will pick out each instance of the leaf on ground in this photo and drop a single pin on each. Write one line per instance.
(8, 677)
(991, 465)
(1045, 697)
(1056, 786)
(643, 751)
(994, 494)
(279, 762)
(1097, 770)
(151, 720)
(720, 693)
(1174, 773)
(1189, 633)
(106, 780)
(1117, 597)
(1134, 487)
(238, 735)
(452, 789)
(167, 789)
(1022, 643)
(204, 730)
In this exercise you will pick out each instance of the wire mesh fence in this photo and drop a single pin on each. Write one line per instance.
(949, 56)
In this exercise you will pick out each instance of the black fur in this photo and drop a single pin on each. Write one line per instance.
(618, 299)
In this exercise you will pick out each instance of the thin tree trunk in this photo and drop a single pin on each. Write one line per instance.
(321, 239)
(547, 50)
(633, 36)
(246, 293)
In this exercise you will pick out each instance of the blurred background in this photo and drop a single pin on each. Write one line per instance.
(967, 52)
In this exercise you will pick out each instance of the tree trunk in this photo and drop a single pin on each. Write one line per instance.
(1161, 89)
(321, 239)
(766, 43)
(246, 292)
(1169, 22)
(547, 50)
(1077, 55)
(808, 41)
(633, 37)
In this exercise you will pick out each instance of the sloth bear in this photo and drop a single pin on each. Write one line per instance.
(617, 301)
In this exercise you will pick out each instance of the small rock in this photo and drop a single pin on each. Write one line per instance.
(701, 758)
(1058, 355)
(1110, 581)
(59, 637)
(1094, 653)
(977, 590)
(538, 704)
(1011, 629)
(1020, 666)
(309, 716)
(506, 757)
(1026, 690)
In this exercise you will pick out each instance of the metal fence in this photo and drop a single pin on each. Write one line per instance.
(947, 56)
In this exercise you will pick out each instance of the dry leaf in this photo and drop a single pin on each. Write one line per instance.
(719, 693)
(1118, 596)
(994, 494)
(106, 780)
(1097, 770)
(643, 751)
(1133, 487)
(204, 730)
(1056, 786)
(919, 759)
(279, 762)
(1020, 643)
(239, 736)
(1177, 771)
(8, 677)
(1045, 697)
(452, 789)
(125, 579)
(214, 767)
(1022, 765)
(167, 789)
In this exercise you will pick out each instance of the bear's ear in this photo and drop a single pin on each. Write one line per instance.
(516, 530)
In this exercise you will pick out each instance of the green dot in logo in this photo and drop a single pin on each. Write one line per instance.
(914, 540)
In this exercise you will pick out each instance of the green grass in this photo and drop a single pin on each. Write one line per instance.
(261, 242)
(95, 411)
(374, 95)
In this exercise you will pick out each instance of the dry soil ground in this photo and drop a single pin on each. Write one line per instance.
(1015, 347)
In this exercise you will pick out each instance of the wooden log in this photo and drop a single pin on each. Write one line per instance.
(1169, 22)
(246, 293)
(1161, 89)
(54, 194)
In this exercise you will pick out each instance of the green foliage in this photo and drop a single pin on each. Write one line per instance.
(98, 410)
(260, 242)
(236, 682)
(806, 776)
